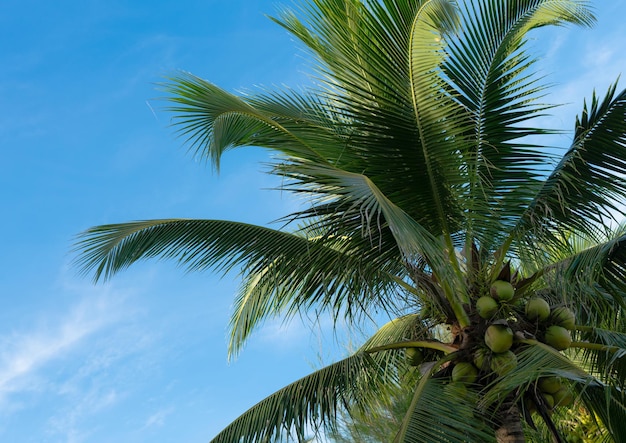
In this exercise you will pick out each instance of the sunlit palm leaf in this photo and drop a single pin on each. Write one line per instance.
(490, 71)
(609, 404)
(362, 51)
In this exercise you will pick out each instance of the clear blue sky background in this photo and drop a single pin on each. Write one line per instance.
(84, 142)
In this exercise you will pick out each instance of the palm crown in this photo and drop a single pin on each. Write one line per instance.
(420, 156)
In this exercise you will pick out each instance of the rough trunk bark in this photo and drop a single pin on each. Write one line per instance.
(510, 430)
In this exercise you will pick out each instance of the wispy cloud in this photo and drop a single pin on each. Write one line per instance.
(157, 419)
(23, 354)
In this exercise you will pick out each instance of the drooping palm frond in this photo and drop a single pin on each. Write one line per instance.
(604, 353)
(213, 121)
(307, 404)
(444, 412)
(609, 404)
(316, 269)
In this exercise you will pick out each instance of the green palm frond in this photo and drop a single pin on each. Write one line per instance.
(213, 121)
(584, 189)
(539, 360)
(444, 412)
(489, 70)
(196, 244)
(285, 272)
(370, 85)
(609, 405)
(309, 403)
(604, 353)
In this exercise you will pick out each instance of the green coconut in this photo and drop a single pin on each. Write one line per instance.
(502, 290)
(549, 385)
(414, 356)
(537, 309)
(530, 405)
(549, 399)
(563, 397)
(499, 338)
(464, 372)
(503, 363)
(563, 317)
(486, 306)
(481, 358)
(558, 337)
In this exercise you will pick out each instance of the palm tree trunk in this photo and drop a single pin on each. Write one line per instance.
(510, 430)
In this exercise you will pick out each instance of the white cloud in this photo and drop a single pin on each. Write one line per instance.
(157, 419)
(24, 354)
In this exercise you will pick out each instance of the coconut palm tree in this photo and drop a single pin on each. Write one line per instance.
(431, 196)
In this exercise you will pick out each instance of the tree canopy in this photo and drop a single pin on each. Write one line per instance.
(431, 195)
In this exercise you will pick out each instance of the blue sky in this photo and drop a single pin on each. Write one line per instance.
(84, 142)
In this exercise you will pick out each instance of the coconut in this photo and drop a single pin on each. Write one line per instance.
(486, 306)
(530, 405)
(563, 317)
(503, 363)
(558, 337)
(563, 397)
(549, 400)
(464, 372)
(537, 309)
(414, 356)
(549, 385)
(499, 338)
(481, 358)
(502, 290)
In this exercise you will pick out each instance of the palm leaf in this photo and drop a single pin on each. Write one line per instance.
(444, 412)
(370, 85)
(489, 70)
(539, 360)
(214, 121)
(586, 186)
(284, 272)
(608, 403)
(309, 403)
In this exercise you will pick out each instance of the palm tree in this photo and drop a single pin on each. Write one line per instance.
(430, 198)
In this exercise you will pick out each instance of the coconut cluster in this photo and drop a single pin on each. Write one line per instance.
(500, 317)
(551, 391)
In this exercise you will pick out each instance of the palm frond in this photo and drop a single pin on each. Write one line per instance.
(540, 360)
(604, 353)
(445, 412)
(309, 403)
(585, 188)
(214, 121)
(196, 244)
(488, 68)
(609, 404)
(370, 86)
